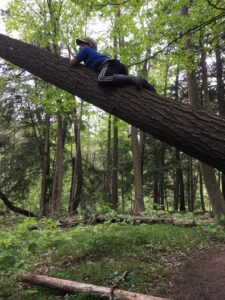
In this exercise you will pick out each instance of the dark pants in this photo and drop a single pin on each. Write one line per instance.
(108, 69)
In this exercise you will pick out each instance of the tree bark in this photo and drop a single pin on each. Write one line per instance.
(179, 199)
(220, 96)
(44, 199)
(212, 185)
(208, 173)
(138, 206)
(201, 191)
(115, 165)
(107, 183)
(77, 175)
(179, 192)
(197, 133)
(57, 183)
(74, 287)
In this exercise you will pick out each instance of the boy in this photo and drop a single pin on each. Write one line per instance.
(112, 71)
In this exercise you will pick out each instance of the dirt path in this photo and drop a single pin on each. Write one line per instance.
(203, 278)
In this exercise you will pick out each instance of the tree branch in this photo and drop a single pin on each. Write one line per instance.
(180, 36)
(12, 207)
(215, 6)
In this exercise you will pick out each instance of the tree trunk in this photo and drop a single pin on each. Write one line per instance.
(179, 198)
(197, 133)
(191, 198)
(179, 184)
(57, 183)
(77, 173)
(220, 96)
(201, 191)
(45, 180)
(161, 175)
(138, 206)
(78, 287)
(156, 197)
(208, 173)
(115, 165)
(213, 188)
(107, 185)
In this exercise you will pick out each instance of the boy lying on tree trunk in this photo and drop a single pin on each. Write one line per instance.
(111, 71)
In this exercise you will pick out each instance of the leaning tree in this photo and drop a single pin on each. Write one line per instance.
(193, 131)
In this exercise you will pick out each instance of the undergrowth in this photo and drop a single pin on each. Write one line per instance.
(97, 254)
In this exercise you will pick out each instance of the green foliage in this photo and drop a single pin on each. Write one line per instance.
(133, 31)
(98, 254)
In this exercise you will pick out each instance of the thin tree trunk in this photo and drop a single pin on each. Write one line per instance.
(45, 181)
(138, 206)
(156, 196)
(201, 191)
(161, 176)
(57, 183)
(115, 165)
(142, 150)
(180, 198)
(189, 183)
(192, 193)
(77, 175)
(108, 185)
(180, 193)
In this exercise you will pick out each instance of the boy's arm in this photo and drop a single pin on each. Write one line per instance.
(79, 57)
(74, 61)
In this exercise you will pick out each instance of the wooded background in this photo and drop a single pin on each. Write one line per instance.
(59, 154)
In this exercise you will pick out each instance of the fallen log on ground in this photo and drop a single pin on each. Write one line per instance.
(99, 218)
(73, 287)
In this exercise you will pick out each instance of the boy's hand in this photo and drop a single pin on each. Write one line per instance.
(74, 62)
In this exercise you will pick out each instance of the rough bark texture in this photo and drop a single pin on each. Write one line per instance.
(74, 287)
(197, 133)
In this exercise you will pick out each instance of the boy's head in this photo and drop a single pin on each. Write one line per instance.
(87, 42)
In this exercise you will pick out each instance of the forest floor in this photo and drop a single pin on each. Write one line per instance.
(164, 260)
(201, 279)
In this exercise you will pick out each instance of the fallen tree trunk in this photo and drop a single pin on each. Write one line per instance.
(75, 287)
(99, 218)
(193, 131)
(14, 208)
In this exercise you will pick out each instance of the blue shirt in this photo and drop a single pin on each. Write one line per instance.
(90, 57)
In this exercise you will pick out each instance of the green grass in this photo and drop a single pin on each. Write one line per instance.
(98, 255)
